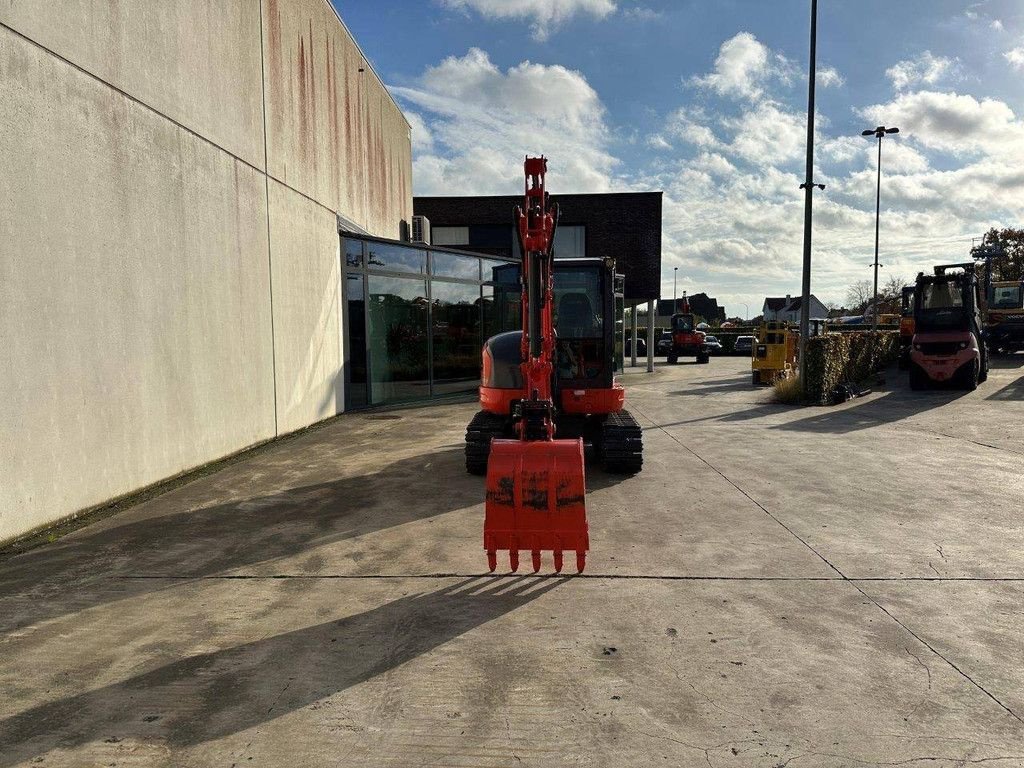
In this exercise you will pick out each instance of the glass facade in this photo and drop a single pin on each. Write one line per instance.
(416, 318)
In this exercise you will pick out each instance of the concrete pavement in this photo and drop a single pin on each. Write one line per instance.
(779, 586)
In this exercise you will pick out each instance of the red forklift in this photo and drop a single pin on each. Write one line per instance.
(687, 341)
(949, 339)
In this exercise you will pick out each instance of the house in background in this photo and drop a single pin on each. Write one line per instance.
(787, 309)
(701, 305)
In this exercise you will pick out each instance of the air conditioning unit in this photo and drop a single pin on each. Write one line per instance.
(420, 230)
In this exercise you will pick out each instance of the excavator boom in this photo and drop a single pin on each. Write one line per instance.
(535, 484)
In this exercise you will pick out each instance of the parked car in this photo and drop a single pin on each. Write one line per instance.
(713, 344)
(664, 343)
(641, 347)
(744, 345)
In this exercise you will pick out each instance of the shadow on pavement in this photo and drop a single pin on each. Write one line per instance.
(1007, 362)
(1012, 391)
(1015, 389)
(69, 575)
(597, 478)
(218, 694)
(747, 414)
(864, 414)
(734, 384)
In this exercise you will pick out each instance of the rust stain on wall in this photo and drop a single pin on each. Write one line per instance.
(312, 122)
(275, 59)
(303, 117)
(333, 132)
(332, 115)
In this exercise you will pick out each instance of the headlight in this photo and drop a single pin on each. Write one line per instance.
(963, 345)
(917, 347)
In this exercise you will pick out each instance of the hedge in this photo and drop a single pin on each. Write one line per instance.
(835, 358)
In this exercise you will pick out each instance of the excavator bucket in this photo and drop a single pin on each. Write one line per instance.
(535, 502)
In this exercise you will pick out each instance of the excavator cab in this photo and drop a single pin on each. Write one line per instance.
(584, 324)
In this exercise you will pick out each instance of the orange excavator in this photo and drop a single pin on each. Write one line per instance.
(539, 382)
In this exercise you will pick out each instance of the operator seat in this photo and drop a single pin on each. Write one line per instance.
(575, 316)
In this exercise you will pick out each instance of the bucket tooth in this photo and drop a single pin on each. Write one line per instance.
(535, 555)
(558, 560)
(513, 560)
(581, 560)
(492, 560)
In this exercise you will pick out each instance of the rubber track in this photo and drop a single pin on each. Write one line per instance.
(481, 429)
(622, 444)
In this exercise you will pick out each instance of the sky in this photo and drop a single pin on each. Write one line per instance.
(706, 100)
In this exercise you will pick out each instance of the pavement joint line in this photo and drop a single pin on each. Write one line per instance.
(932, 648)
(751, 498)
(845, 578)
(974, 442)
(605, 576)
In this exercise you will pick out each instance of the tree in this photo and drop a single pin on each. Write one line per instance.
(890, 296)
(859, 295)
(1007, 247)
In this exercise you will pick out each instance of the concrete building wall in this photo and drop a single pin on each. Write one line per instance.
(331, 128)
(195, 61)
(307, 316)
(163, 301)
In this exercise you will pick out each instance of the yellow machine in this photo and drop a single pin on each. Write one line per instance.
(774, 354)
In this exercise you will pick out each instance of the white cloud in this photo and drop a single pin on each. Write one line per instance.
(997, 25)
(768, 135)
(901, 158)
(641, 13)
(925, 69)
(483, 121)
(1016, 58)
(422, 139)
(732, 208)
(545, 16)
(828, 77)
(955, 123)
(744, 67)
(687, 126)
(657, 141)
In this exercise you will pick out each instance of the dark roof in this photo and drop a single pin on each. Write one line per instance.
(700, 304)
(792, 304)
(625, 226)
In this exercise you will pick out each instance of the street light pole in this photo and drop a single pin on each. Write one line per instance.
(880, 131)
(808, 187)
(675, 273)
(747, 308)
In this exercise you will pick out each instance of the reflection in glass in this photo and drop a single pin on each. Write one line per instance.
(570, 242)
(502, 272)
(397, 339)
(453, 265)
(353, 252)
(578, 311)
(449, 235)
(456, 328)
(397, 258)
(355, 326)
(620, 322)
